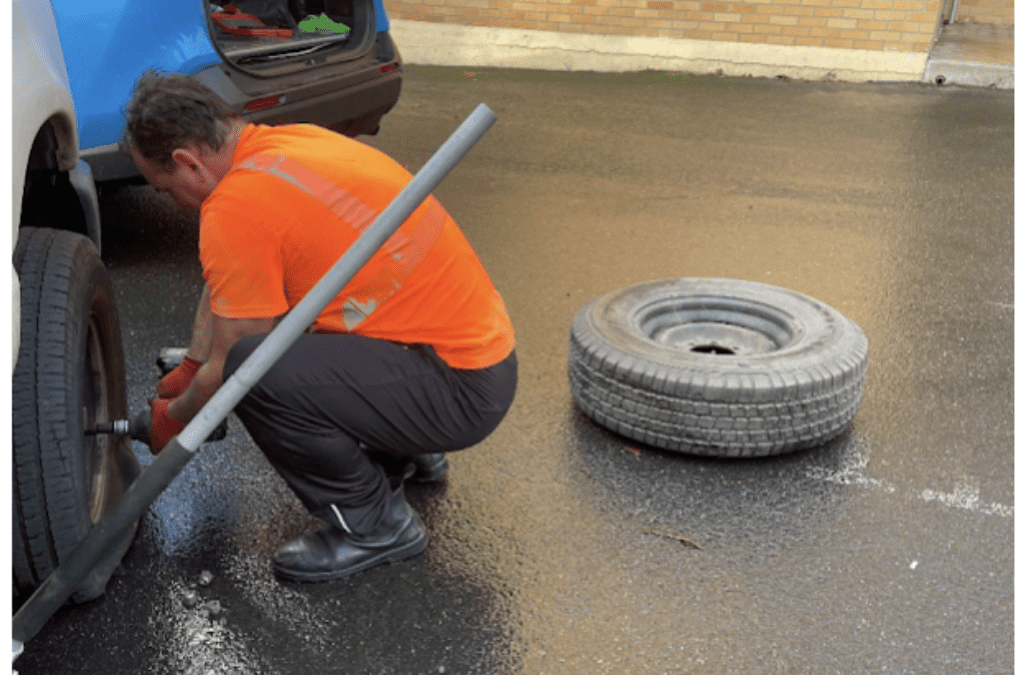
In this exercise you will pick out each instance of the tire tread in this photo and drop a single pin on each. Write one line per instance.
(48, 497)
(771, 410)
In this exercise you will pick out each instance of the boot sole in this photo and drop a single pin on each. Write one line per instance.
(409, 550)
(430, 474)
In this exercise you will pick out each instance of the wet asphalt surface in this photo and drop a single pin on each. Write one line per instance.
(559, 547)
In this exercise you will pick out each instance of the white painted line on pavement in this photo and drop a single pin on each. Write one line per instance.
(852, 474)
(964, 496)
(967, 497)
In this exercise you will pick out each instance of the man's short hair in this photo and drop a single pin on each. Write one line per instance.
(169, 111)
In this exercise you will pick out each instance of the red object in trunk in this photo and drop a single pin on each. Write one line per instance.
(246, 25)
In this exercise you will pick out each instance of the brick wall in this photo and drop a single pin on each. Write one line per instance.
(876, 25)
(1000, 12)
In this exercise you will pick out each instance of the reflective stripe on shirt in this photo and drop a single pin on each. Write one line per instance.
(405, 252)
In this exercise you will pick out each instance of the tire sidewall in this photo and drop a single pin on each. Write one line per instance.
(819, 333)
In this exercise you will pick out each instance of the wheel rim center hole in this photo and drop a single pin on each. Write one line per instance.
(717, 350)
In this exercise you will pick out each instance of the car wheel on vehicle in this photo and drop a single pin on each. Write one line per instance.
(717, 367)
(69, 375)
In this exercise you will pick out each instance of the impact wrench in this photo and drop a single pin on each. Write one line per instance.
(139, 428)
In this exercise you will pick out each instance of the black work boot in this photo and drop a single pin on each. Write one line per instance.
(424, 468)
(334, 550)
(431, 467)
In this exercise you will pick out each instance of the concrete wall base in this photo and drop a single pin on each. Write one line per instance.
(442, 44)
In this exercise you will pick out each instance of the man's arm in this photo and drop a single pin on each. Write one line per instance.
(175, 382)
(225, 334)
(201, 332)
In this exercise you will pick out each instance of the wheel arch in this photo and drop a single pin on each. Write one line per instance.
(59, 190)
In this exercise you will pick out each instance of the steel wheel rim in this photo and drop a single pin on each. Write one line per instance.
(716, 325)
(96, 406)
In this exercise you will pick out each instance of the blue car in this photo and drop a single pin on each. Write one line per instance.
(327, 62)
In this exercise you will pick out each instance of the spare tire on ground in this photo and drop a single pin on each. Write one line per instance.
(717, 367)
(69, 376)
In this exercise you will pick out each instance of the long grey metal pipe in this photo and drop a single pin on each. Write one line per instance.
(57, 588)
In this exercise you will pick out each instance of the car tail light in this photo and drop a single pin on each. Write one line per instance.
(389, 67)
(261, 103)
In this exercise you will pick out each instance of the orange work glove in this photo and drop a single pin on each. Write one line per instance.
(163, 426)
(176, 380)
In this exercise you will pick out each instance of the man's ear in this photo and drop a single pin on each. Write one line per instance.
(187, 158)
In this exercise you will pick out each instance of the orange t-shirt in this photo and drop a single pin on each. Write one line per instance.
(296, 199)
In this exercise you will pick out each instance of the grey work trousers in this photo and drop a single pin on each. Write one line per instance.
(328, 394)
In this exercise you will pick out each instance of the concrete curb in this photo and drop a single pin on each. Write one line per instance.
(973, 55)
(969, 74)
(441, 44)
